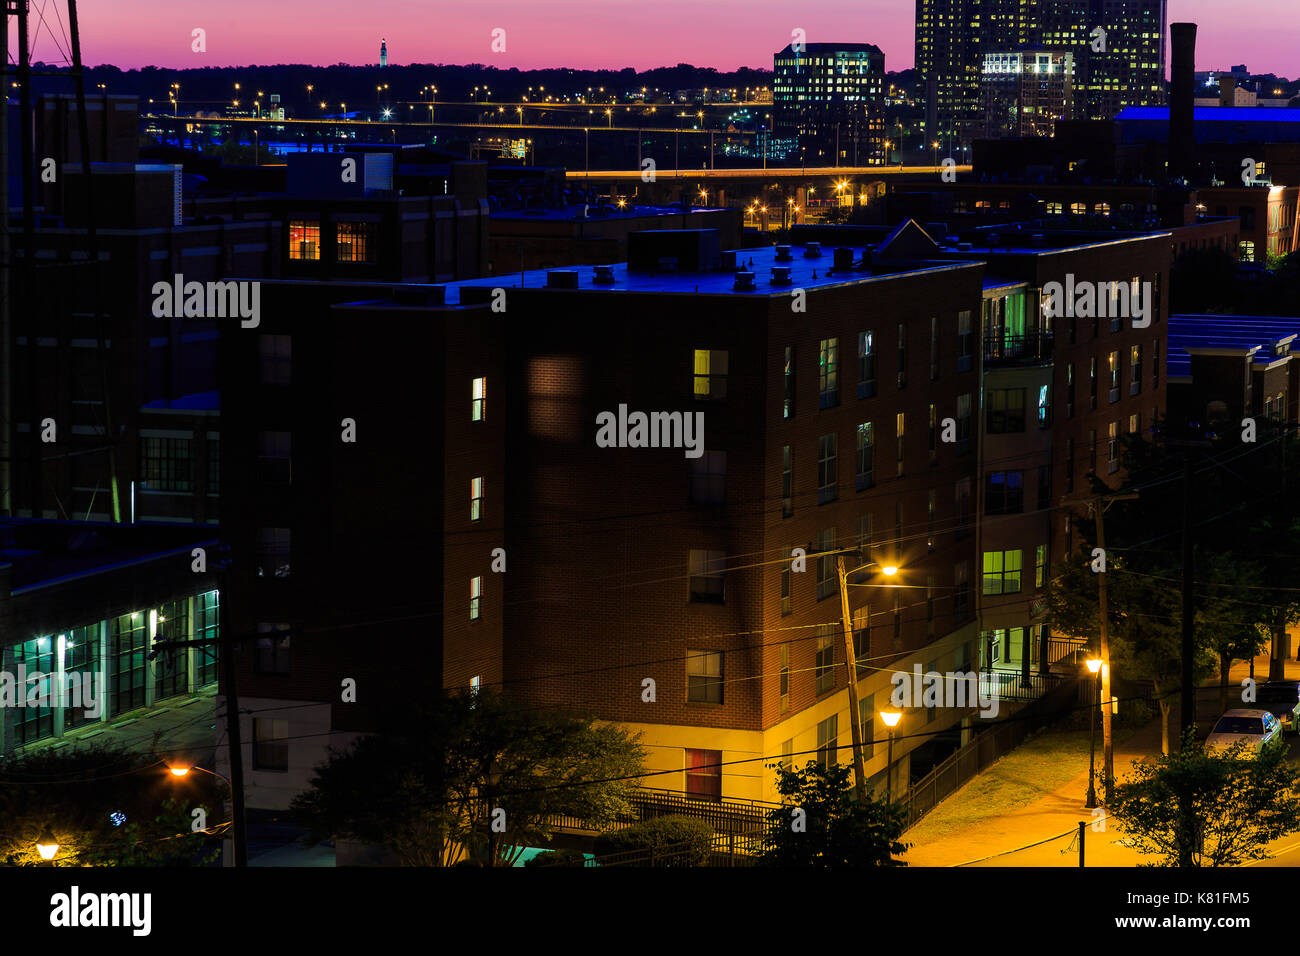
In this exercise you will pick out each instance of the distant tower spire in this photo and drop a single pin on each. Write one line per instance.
(383, 52)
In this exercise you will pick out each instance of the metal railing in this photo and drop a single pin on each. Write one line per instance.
(963, 764)
(1018, 349)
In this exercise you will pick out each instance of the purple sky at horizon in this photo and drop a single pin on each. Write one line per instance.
(724, 34)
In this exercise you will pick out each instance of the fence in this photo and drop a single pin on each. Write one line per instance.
(924, 795)
(725, 850)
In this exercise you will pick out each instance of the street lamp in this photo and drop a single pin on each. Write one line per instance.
(891, 719)
(47, 845)
(1094, 665)
(935, 144)
(851, 653)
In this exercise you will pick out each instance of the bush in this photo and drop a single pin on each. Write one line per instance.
(558, 858)
(658, 833)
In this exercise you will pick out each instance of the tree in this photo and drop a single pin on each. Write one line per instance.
(470, 777)
(1208, 808)
(824, 827)
(105, 806)
(685, 841)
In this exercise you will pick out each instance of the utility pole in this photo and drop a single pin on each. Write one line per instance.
(6, 286)
(1108, 754)
(1099, 505)
(1188, 709)
(851, 665)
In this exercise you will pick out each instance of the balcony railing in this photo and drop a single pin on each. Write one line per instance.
(1031, 349)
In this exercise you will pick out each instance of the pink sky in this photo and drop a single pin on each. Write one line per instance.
(580, 33)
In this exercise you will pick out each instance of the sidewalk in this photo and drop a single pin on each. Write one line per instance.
(1005, 839)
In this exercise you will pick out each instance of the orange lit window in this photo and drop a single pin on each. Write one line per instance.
(304, 239)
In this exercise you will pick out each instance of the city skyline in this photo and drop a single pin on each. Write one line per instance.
(582, 34)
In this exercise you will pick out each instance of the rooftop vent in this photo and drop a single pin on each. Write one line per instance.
(964, 247)
(783, 254)
(1038, 240)
(744, 281)
(728, 260)
(812, 250)
(843, 258)
(604, 275)
(780, 275)
(562, 279)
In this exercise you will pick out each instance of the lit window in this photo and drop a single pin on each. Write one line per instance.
(711, 374)
(828, 372)
(704, 774)
(478, 400)
(304, 239)
(356, 241)
(1001, 572)
(475, 596)
(475, 498)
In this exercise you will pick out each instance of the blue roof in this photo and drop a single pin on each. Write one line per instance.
(1214, 114)
(1225, 332)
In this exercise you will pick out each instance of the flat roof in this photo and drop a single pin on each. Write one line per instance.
(44, 552)
(1215, 114)
(595, 213)
(719, 282)
(1203, 333)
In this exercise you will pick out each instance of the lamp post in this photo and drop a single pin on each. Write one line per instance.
(1094, 666)
(239, 835)
(47, 845)
(891, 719)
(851, 666)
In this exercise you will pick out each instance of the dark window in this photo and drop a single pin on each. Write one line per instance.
(708, 477)
(866, 456)
(128, 638)
(270, 744)
(828, 372)
(272, 648)
(704, 677)
(826, 469)
(166, 464)
(1006, 410)
(866, 364)
(965, 342)
(1004, 493)
(787, 378)
(706, 580)
(787, 482)
(825, 669)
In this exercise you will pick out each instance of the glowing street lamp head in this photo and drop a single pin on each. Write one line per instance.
(179, 771)
(47, 845)
(1094, 664)
(889, 570)
(891, 717)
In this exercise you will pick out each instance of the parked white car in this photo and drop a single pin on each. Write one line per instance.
(1258, 728)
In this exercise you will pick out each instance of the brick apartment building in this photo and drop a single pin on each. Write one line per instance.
(823, 430)
(153, 379)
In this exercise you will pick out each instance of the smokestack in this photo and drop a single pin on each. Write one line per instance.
(1182, 137)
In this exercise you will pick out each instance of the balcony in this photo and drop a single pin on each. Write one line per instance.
(1034, 348)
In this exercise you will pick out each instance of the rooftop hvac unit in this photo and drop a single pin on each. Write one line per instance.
(562, 279)
(783, 254)
(780, 275)
(744, 281)
(812, 250)
(604, 275)
(728, 260)
(964, 247)
(843, 258)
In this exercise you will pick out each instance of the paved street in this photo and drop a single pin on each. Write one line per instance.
(1051, 822)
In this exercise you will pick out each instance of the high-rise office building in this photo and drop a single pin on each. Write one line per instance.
(1025, 92)
(1118, 47)
(828, 102)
